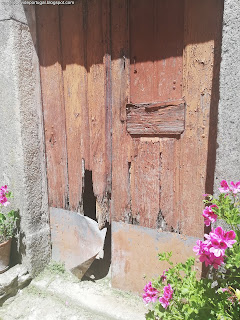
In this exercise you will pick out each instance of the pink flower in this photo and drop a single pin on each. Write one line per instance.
(212, 250)
(235, 187)
(199, 248)
(229, 238)
(216, 262)
(218, 248)
(164, 302)
(209, 215)
(151, 294)
(3, 201)
(221, 235)
(168, 291)
(206, 257)
(167, 296)
(163, 277)
(3, 198)
(224, 187)
(4, 189)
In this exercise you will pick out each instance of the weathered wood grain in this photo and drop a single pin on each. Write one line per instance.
(201, 41)
(118, 53)
(156, 49)
(137, 181)
(74, 79)
(121, 140)
(49, 47)
(155, 119)
(145, 182)
(99, 103)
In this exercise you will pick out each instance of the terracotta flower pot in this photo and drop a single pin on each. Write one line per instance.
(5, 249)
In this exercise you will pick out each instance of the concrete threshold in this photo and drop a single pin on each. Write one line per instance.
(59, 296)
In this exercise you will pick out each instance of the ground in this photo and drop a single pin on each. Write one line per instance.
(57, 295)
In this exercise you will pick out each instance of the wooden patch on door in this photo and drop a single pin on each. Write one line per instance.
(167, 118)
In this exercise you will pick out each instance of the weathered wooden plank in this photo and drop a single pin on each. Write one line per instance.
(53, 104)
(145, 182)
(168, 181)
(168, 50)
(98, 66)
(74, 77)
(141, 51)
(201, 41)
(121, 140)
(156, 48)
(155, 119)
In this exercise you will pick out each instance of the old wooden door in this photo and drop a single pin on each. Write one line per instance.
(129, 93)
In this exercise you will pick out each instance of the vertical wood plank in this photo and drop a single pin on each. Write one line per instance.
(74, 76)
(168, 220)
(99, 101)
(156, 48)
(168, 49)
(53, 104)
(141, 51)
(200, 41)
(145, 186)
(121, 141)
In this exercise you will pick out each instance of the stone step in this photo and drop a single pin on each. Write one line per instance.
(54, 296)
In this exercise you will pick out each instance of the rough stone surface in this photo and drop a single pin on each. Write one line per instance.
(61, 296)
(228, 138)
(12, 280)
(13, 10)
(22, 164)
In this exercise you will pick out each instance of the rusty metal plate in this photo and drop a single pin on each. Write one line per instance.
(76, 240)
(134, 254)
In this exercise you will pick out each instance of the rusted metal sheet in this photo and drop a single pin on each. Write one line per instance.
(156, 47)
(49, 47)
(155, 119)
(134, 254)
(76, 240)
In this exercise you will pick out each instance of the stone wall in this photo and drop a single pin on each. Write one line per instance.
(22, 164)
(228, 137)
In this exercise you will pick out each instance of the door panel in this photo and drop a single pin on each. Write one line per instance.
(154, 42)
(128, 89)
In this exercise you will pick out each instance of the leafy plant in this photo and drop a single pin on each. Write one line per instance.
(7, 219)
(178, 294)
